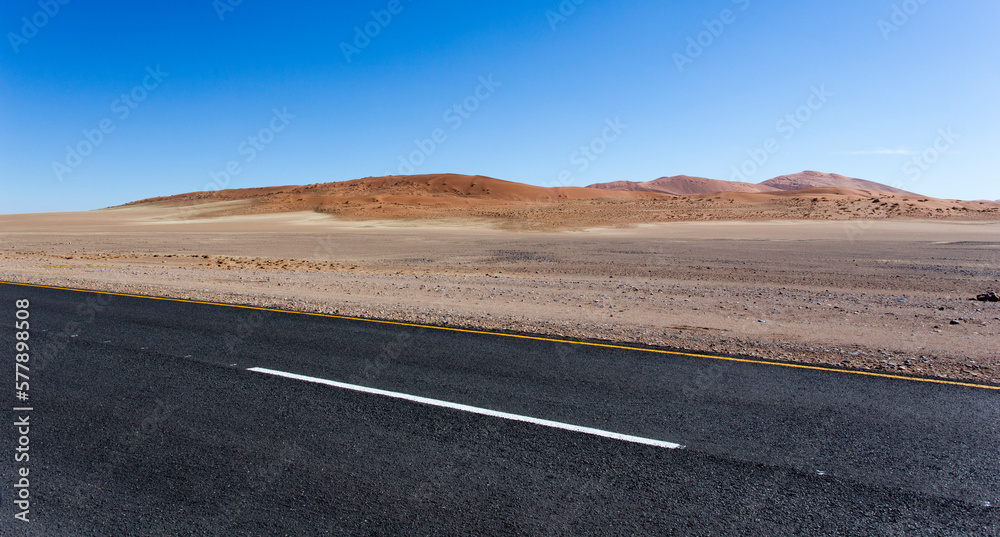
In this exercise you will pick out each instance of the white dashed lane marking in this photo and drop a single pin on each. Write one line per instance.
(473, 409)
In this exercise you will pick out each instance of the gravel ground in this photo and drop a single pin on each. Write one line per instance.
(897, 304)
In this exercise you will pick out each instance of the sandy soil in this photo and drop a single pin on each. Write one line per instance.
(889, 295)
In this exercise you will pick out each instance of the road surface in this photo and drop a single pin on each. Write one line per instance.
(162, 417)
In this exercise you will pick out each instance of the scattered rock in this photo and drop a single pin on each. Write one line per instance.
(954, 322)
(989, 296)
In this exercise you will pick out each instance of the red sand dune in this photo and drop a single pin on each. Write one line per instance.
(511, 205)
(809, 179)
(436, 189)
(683, 185)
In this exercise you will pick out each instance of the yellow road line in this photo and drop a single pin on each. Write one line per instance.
(518, 336)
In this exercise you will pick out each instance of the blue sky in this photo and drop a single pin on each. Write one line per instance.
(547, 93)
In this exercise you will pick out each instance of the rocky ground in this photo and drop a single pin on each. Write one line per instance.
(884, 297)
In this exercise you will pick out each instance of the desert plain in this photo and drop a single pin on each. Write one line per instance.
(787, 277)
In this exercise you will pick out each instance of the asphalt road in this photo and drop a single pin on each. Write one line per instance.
(147, 420)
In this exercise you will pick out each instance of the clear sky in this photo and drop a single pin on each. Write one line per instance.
(105, 102)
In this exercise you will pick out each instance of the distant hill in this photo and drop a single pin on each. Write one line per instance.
(478, 190)
(484, 201)
(809, 179)
(683, 185)
(401, 190)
